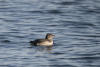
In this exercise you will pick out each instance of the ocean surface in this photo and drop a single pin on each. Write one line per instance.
(75, 24)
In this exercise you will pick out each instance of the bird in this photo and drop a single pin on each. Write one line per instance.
(47, 41)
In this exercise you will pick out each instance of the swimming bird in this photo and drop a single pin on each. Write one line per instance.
(47, 41)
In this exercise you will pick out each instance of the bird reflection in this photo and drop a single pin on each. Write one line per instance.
(42, 48)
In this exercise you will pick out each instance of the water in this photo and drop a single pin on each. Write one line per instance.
(76, 24)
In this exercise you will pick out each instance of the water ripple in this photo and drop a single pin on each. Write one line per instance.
(74, 23)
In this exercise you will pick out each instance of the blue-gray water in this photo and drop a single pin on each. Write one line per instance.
(75, 23)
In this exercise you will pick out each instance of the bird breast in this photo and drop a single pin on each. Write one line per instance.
(46, 43)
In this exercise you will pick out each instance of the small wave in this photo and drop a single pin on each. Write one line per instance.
(46, 11)
(54, 11)
(69, 3)
(5, 41)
